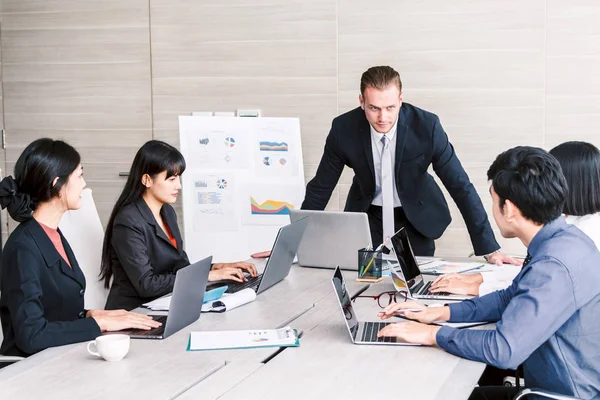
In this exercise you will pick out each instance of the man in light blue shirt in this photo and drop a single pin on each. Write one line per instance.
(548, 317)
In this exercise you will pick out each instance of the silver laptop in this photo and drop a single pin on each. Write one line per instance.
(186, 302)
(418, 284)
(279, 263)
(332, 238)
(360, 332)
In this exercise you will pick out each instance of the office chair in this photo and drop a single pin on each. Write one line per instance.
(83, 230)
(544, 393)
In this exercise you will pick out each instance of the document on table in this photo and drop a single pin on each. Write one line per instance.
(224, 340)
(446, 267)
(163, 303)
(229, 301)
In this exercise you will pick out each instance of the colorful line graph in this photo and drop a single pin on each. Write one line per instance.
(273, 146)
(270, 207)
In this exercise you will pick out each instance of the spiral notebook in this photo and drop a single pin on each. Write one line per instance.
(226, 340)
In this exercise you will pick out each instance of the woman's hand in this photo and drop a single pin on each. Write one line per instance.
(246, 266)
(117, 320)
(227, 274)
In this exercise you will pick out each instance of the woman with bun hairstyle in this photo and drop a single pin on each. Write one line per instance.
(143, 248)
(41, 285)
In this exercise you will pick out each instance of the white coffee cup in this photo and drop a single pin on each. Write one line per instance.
(110, 347)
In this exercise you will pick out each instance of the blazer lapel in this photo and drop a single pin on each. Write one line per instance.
(74, 271)
(364, 132)
(51, 255)
(171, 220)
(401, 129)
(149, 217)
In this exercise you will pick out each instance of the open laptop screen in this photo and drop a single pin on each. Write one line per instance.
(405, 255)
(345, 301)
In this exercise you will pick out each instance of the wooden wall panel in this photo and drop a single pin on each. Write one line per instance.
(79, 70)
(107, 76)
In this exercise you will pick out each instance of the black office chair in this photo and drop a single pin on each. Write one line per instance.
(544, 393)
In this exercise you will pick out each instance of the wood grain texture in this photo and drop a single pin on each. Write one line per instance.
(79, 71)
(498, 74)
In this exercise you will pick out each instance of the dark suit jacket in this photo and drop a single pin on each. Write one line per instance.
(420, 142)
(41, 302)
(143, 259)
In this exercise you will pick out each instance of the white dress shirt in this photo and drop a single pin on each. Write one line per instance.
(589, 224)
(502, 276)
(377, 149)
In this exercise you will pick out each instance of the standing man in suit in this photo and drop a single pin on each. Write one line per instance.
(390, 145)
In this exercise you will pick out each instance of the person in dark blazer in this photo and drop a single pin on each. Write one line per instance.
(143, 248)
(390, 145)
(42, 287)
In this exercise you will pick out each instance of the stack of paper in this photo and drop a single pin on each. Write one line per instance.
(446, 267)
(163, 303)
(223, 340)
(229, 301)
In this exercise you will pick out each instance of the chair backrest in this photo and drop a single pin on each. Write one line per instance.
(83, 230)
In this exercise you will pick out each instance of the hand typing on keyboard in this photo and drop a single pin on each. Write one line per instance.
(116, 320)
(427, 315)
(411, 332)
(227, 274)
(466, 284)
(231, 271)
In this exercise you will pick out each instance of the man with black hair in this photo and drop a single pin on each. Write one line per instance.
(547, 319)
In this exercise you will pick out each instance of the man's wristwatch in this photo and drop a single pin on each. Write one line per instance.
(488, 255)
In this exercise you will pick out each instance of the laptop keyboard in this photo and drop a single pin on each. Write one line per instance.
(370, 333)
(424, 290)
(152, 332)
(250, 283)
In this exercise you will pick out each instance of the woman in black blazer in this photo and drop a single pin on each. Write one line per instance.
(42, 287)
(143, 247)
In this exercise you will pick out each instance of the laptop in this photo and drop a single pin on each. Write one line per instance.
(417, 284)
(360, 332)
(186, 302)
(332, 238)
(279, 263)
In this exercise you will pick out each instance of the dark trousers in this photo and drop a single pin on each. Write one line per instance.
(421, 245)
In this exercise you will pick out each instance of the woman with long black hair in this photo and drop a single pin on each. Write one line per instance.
(143, 247)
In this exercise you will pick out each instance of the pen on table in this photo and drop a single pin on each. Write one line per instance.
(408, 309)
(368, 247)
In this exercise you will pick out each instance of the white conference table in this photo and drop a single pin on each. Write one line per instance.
(326, 365)
(162, 369)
